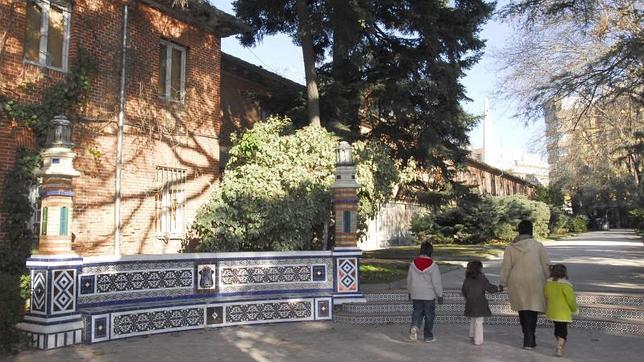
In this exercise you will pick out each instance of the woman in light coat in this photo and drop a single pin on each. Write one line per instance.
(524, 271)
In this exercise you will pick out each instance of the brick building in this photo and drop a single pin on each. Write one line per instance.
(248, 94)
(172, 112)
(486, 179)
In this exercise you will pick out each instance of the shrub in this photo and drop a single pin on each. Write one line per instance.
(484, 219)
(275, 192)
(559, 221)
(578, 224)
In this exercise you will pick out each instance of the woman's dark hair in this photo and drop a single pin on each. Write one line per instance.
(558, 271)
(473, 269)
(525, 227)
(426, 248)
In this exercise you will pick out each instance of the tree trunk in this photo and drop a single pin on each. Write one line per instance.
(312, 96)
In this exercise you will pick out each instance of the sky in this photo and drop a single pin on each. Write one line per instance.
(278, 54)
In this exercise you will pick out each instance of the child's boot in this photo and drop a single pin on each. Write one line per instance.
(561, 342)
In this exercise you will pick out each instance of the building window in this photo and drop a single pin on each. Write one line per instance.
(172, 71)
(47, 34)
(170, 202)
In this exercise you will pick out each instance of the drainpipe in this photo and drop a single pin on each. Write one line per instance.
(119, 143)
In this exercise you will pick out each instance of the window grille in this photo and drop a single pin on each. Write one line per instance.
(170, 201)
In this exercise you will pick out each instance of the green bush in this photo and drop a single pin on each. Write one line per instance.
(275, 191)
(559, 221)
(484, 219)
(578, 224)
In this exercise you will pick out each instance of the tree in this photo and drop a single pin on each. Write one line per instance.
(394, 69)
(292, 17)
(583, 52)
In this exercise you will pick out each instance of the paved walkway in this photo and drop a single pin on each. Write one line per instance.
(600, 261)
(326, 341)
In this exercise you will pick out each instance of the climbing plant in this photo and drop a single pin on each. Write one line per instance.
(67, 96)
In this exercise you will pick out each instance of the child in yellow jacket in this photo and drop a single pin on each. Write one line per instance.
(561, 303)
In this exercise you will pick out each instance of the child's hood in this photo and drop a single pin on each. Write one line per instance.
(423, 263)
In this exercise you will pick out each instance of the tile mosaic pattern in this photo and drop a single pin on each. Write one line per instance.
(347, 275)
(158, 320)
(134, 323)
(139, 280)
(268, 274)
(63, 291)
(274, 274)
(268, 311)
(135, 281)
(39, 291)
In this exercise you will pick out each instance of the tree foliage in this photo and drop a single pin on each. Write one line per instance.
(389, 67)
(482, 220)
(275, 191)
(589, 51)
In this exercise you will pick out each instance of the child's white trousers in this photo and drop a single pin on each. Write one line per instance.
(476, 329)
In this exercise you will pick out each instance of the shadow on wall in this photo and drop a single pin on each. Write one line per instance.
(159, 133)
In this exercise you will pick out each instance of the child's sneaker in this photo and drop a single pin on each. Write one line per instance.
(413, 334)
(430, 340)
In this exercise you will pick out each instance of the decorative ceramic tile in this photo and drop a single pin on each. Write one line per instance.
(347, 275)
(263, 275)
(126, 324)
(319, 273)
(87, 284)
(253, 312)
(206, 277)
(214, 315)
(276, 274)
(63, 291)
(39, 291)
(323, 309)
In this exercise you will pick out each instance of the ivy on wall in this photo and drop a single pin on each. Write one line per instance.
(67, 97)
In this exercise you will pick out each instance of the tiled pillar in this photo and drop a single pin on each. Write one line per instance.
(346, 254)
(53, 320)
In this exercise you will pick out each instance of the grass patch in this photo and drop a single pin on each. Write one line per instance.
(391, 264)
(442, 252)
(379, 273)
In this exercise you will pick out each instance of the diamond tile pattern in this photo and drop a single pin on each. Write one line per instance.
(39, 291)
(63, 291)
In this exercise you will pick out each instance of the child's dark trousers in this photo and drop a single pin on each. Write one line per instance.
(424, 309)
(561, 329)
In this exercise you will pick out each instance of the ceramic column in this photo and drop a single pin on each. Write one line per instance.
(52, 320)
(346, 253)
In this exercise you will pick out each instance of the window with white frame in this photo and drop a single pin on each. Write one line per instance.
(170, 201)
(47, 33)
(172, 71)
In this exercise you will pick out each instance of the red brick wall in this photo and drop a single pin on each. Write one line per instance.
(239, 111)
(487, 180)
(157, 132)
